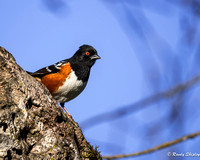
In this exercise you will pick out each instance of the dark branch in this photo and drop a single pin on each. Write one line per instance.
(164, 145)
(125, 110)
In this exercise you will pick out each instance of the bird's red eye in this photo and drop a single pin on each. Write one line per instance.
(87, 53)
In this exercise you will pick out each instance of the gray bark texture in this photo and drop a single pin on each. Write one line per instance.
(32, 125)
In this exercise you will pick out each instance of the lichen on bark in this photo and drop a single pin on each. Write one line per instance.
(32, 125)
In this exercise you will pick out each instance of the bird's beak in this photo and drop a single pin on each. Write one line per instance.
(95, 57)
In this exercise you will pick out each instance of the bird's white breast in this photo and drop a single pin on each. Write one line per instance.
(71, 88)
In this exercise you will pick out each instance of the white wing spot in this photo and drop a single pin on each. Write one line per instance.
(57, 66)
(47, 68)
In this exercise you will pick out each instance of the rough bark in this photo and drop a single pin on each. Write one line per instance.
(32, 125)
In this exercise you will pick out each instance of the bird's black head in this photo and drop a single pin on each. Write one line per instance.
(86, 55)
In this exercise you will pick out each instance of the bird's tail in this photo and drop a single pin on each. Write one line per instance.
(29, 72)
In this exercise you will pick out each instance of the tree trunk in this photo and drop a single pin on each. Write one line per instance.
(32, 125)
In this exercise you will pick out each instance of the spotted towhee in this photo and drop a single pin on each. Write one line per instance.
(67, 78)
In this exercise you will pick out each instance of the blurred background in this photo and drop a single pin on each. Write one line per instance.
(147, 48)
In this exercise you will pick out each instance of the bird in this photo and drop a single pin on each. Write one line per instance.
(66, 79)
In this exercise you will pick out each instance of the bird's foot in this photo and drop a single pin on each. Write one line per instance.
(70, 117)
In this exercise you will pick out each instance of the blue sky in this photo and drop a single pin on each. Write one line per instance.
(38, 37)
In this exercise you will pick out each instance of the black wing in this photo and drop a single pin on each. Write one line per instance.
(47, 70)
